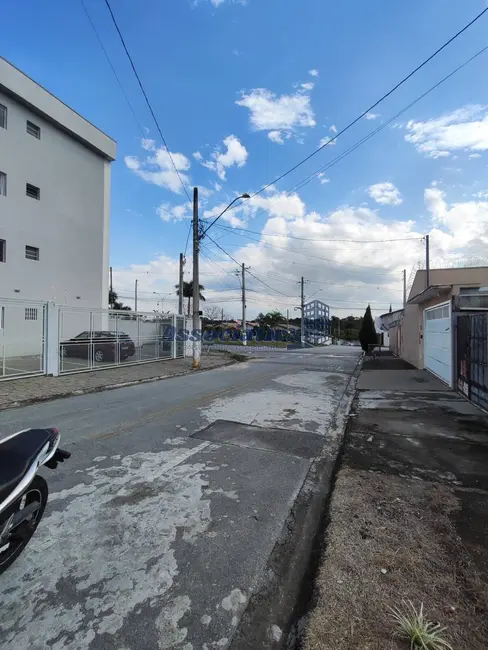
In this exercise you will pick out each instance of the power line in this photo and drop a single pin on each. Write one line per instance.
(146, 98)
(113, 68)
(352, 148)
(373, 106)
(249, 272)
(312, 239)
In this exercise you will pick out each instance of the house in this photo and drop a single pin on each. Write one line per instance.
(54, 199)
(423, 332)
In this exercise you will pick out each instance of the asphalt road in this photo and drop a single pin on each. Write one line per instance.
(159, 527)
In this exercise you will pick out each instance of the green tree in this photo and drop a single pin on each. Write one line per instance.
(115, 303)
(188, 292)
(367, 333)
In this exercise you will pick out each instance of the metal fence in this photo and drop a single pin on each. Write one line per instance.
(97, 338)
(22, 338)
(472, 357)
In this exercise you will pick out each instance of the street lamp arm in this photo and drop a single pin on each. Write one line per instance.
(243, 196)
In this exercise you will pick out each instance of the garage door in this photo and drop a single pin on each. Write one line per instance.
(438, 342)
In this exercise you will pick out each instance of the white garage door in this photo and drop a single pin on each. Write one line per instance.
(438, 342)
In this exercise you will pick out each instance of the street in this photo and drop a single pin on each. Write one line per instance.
(159, 528)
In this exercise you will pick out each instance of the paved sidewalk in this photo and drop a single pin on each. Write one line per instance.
(408, 517)
(21, 392)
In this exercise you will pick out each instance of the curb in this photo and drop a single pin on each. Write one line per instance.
(99, 389)
(283, 599)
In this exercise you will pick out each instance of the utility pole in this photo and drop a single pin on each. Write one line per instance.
(196, 284)
(243, 326)
(302, 302)
(404, 288)
(180, 285)
(222, 318)
(427, 262)
(135, 296)
(339, 322)
(287, 322)
(111, 290)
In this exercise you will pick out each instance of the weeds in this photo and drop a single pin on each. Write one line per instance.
(422, 634)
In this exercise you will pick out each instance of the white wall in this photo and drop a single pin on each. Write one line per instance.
(70, 223)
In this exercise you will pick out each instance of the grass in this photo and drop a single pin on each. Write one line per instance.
(415, 628)
(393, 538)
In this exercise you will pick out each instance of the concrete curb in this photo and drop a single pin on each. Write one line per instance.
(283, 597)
(99, 389)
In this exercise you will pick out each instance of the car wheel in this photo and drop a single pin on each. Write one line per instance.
(99, 355)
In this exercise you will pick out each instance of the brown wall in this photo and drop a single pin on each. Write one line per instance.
(412, 348)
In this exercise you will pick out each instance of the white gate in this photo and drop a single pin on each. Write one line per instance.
(22, 338)
(93, 339)
(438, 342)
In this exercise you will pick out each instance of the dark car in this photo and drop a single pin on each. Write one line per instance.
(104, 345)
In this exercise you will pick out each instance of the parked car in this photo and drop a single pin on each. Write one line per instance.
(104, 345)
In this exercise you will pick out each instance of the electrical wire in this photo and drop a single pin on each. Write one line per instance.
(146, 98)
(350, 241)
(379, 101)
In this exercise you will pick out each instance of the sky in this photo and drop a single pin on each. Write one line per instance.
(245, 90)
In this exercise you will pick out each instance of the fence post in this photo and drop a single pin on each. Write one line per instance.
(173, 342)
(51, 340)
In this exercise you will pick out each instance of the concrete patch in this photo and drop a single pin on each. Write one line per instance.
(302, 444)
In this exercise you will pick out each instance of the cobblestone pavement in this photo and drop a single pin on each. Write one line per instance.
(19, 392)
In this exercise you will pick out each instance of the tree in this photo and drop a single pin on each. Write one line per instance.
(367, 333)
(188, 292)
(115, 303)
(213, 313)
(271, 319)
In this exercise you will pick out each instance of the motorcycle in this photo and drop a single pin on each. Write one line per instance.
(23, 493)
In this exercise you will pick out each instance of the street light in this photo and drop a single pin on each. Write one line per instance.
(242, 196)
(313, 294)
(161, 296)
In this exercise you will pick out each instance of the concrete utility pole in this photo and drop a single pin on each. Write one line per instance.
(339, 322)
(427, 262)
(111, 289)
(197, 347)
(404, 288)
(135, 296)
(180, 285)
(243, 326)
(287, 321)
(302, 302)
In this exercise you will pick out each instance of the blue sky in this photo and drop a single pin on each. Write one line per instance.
(233, 83)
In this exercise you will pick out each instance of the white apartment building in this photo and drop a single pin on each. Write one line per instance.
(54, 198)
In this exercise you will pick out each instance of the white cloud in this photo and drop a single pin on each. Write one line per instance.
(371, 116)
(270, 112)
(474, 155)
(280, 204)
(465, 222)
(236, 155)
(465, 129)
(324, 181)
(314, 73)
(481, 195)
(198, 156)
(231, 216)
(158, 168)
(217, 187)
(385, 194)
(327, 141)
(276, 136)
(168, 212)
(307, 86)
(333, 128)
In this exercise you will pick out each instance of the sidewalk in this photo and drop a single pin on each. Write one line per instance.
(22, 392)
(408, 516)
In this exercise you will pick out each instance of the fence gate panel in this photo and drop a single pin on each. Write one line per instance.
(472, 357)
(22, 338)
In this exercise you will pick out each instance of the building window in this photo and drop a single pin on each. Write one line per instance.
(33, 129)
(3, 184)
(3, 116)
(32, 191)
(30, 313)
(31, 253)
(3, 250)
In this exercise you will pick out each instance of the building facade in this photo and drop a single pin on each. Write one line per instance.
(54, 198)
(423, 332)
